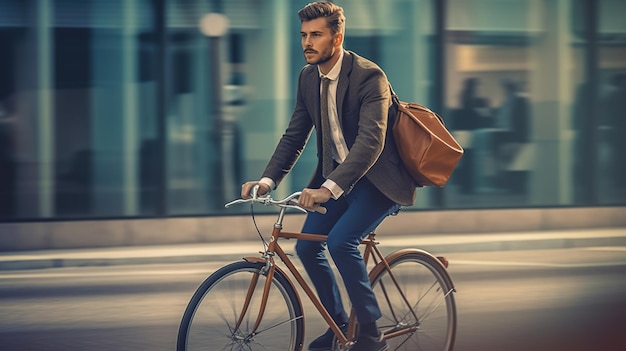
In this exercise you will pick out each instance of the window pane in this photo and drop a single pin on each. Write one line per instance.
(76, 106)
(192, 150)
(612, 101)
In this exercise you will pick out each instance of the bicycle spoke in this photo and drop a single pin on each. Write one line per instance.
(427, 312)
(439, 301)
(278, 324)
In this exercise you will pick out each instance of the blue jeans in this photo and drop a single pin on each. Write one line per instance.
(347, 222)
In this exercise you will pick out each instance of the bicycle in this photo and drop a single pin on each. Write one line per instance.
(254, 305)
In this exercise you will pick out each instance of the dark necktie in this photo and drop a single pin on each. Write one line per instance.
(327, 143)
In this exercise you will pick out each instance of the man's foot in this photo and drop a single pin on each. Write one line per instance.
(370, 343)
(324, 342)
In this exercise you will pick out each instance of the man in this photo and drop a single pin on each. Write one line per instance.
(359, 177)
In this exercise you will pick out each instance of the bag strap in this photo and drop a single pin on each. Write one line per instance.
(394, 98)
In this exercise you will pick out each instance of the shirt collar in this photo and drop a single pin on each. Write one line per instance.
(334, 72)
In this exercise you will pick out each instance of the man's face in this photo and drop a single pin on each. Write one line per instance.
(318, 43)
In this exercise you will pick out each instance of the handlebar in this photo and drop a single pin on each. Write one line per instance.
(290, 201)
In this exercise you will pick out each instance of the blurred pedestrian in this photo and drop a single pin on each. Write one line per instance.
(512, 124)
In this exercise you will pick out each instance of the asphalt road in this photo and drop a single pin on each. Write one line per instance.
(566, 299)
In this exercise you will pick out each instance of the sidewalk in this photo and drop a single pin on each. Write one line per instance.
(440, 243)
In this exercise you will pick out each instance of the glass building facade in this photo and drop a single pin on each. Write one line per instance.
(149, 108)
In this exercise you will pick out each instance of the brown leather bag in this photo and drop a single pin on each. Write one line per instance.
(427, 149)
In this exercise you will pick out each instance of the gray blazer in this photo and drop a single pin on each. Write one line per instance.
(363, 105)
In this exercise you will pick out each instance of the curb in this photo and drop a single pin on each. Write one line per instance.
(207, 252)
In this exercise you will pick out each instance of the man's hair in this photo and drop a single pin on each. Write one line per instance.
(334, 15)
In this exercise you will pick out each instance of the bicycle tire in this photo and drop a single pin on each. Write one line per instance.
(214, 309)
(429, 291)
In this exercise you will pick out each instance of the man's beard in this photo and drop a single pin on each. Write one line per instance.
(322, 58)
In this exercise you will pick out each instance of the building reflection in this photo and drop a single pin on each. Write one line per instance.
(94, 123)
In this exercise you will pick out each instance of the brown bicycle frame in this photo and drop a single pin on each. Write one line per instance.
(380, 263)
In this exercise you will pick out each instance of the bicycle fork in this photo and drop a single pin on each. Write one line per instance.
(269, 271)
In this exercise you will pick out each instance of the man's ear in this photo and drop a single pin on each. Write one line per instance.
(338, 40)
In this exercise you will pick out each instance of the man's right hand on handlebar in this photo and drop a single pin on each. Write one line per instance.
(246, 189)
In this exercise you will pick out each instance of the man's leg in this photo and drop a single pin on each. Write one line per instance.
(366, 209)
(313, 257)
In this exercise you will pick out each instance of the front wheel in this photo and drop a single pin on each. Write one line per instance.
(221, 314)
(417, 302)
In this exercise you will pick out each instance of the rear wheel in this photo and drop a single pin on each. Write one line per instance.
(218, 318)
(425, 318)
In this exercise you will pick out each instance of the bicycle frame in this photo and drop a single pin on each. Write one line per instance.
(410, 285)
(274, 248)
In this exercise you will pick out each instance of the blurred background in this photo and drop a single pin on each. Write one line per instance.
(134, 109)
(125, 125)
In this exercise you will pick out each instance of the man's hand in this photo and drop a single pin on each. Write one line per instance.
(312, 198)
(246, 189)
